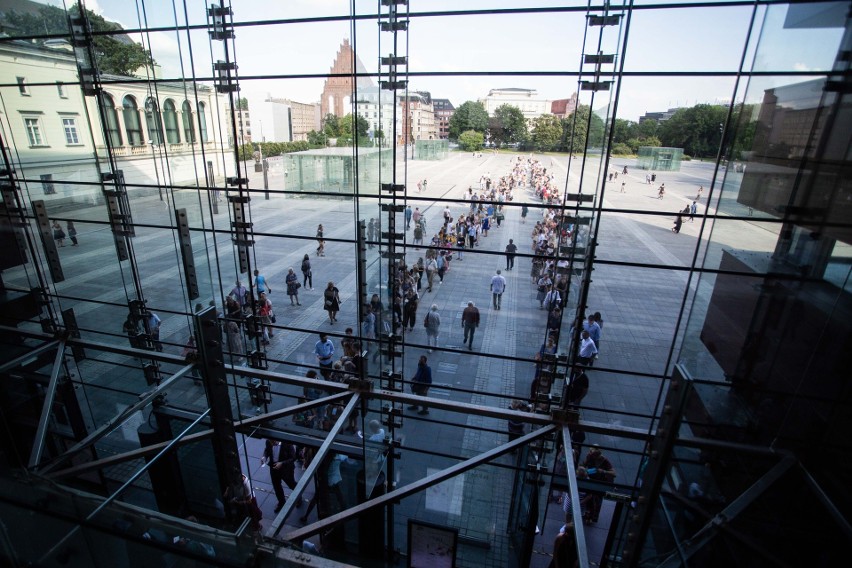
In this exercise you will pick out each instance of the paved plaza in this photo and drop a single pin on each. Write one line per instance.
(639, 306)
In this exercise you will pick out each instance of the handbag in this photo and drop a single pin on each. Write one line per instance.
(272, 317)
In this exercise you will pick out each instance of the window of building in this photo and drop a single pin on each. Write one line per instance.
(60, 88)
(170, 118)
(47, 184)
(69, 126)
(188, 127)
(132, 124)
(22, 86)
(112, 128)
(153, 121)
(202, 122)
(34, 133)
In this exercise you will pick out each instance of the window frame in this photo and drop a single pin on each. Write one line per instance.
(74, 131)
(37, 131)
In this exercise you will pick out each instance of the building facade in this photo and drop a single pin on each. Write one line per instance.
(339, 88)
(527, 100)
(444, 110)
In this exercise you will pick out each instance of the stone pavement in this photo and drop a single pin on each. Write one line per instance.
(640, 306)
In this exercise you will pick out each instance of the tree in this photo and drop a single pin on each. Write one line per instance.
(243, 104)
(621, 130)
(115, 54)
(345, 133)
(469, 116)
(471, 140)
(331, 125)
(317, 139)
(546, 132)
(582, 128)
(698, 130)
(508, 125)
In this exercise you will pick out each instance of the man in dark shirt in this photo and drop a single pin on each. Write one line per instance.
(470, 321)
(511, 249)
(420, 384)
(578, 386)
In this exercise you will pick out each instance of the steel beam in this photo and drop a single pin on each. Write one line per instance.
(576, 513)
(47, 406)
(299, 534)
(307, 475)
(116, 421)
(154, 448)
(31, 354)
(43, 560)
(722, 520)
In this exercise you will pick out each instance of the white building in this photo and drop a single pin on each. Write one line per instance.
(377, 107)
(162, 133)
(525, 99)
(271, 120)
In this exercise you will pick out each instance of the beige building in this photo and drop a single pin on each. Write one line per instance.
(525, 99)
(304, 117)
(45, 118)
(418, 116)
(163, 135)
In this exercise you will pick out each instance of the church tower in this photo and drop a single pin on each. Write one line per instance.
(337, 92)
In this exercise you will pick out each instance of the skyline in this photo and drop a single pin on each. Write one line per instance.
(661, 41)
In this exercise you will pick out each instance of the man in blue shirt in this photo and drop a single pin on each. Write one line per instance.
(594, 330)
(498, 286)
(152, 323)
(408, 214)
(240, 294)
(324, 350)
(586, 355)
(420, 384)
(260, 283)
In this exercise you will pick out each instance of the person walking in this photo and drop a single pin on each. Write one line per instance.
(432, 323)
(431, 269)
(264, 312)
(72, 233)
(511, 250)
(662, 191)
(293, 286)
(409, 309)
(408, 214)
(239, 294)
(420, 384)
(58, 234)
(693, 209)
(320, 241)
(307, 273)
(371, 233)
(677, 224)
(324, 350)
(623, 185)
(331, 298)
(281, 469)
(260, 283)
(524, 211)
(498, 286)
(470, 321)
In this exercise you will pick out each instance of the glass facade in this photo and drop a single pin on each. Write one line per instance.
(222, 344)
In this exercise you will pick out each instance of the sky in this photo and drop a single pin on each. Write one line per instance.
(693, 39)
